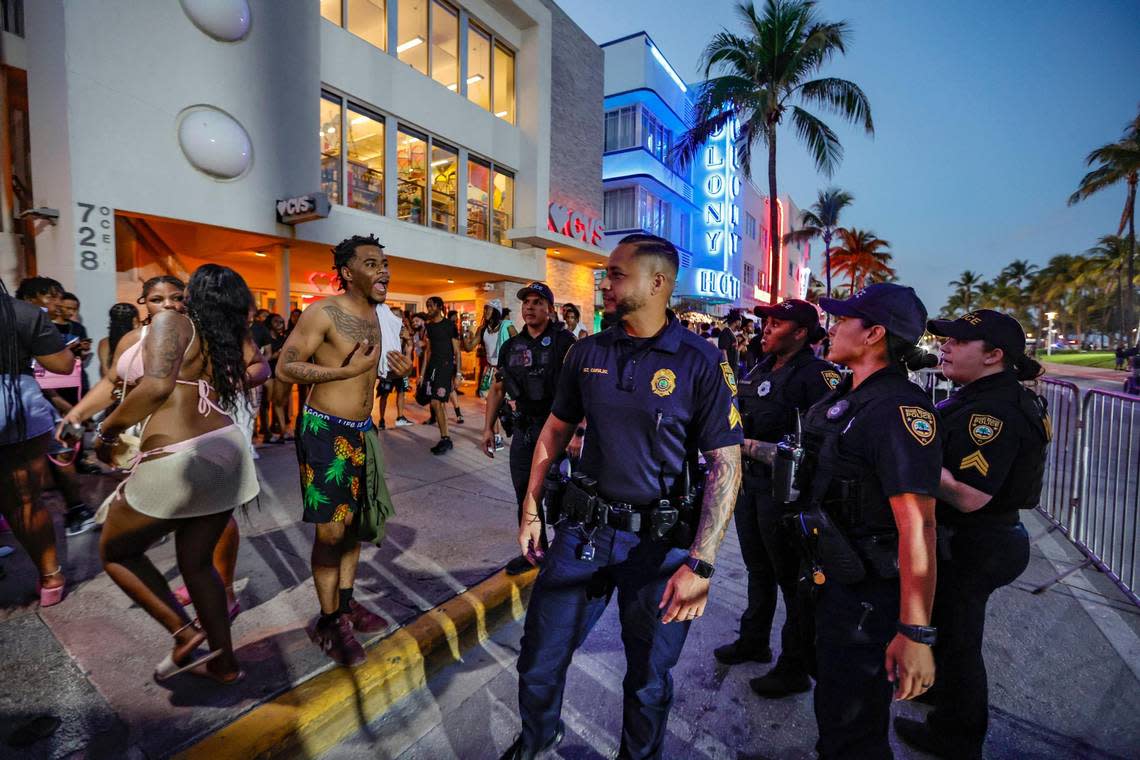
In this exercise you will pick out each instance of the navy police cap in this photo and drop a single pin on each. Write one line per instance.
(896, 307)
(538, 288)
(999, 330)
(794, 310)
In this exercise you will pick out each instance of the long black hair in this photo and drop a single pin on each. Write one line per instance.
(10, 366)
(1021, 365)
(120, 321)
(902, 354)
(219, 303)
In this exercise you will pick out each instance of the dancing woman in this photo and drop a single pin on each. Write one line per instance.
(25, 432)
(194, 467)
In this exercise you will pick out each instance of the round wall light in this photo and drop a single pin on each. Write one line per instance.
(214, 142)
(224, 20)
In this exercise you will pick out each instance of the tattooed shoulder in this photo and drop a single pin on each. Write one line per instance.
(354, 328)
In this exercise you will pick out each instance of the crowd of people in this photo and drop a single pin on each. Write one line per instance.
(884, 523)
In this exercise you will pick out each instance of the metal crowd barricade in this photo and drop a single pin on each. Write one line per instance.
(1059, 487)
(1105, 522)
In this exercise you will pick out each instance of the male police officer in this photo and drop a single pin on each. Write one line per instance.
(654, 395)
(772, 395)
(529, 365)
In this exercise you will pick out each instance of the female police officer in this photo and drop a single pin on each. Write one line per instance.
(995, 432)
(872, 465)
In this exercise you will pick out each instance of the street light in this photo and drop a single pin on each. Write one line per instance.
(1050, 315)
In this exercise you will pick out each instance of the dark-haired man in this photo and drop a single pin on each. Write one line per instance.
(441, 359)
(334, 349)
(726, 341)
(784, 384)
(655, 396)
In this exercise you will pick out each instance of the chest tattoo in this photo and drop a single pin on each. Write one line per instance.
(356, 329)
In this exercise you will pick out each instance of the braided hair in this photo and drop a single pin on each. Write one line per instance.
(121, 320)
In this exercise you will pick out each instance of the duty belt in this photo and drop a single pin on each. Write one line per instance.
(593, 511)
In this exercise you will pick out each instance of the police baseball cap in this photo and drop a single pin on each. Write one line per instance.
(896, 307)
(999, 330)
(795, 310)
(538, 288)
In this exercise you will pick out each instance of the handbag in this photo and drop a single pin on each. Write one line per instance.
(423, 392)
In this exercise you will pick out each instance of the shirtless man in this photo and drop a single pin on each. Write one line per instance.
(334, 348)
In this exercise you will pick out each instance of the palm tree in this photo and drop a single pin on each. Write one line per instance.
(763, 71)
(862, 256)
(966, 286)
(821, 221)
(1106, 263)
(1018, 273)
(1118, 162)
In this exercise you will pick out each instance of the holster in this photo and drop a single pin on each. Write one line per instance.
(881, 554)
(827, 546)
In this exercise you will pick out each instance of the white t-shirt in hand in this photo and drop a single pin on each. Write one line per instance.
(390, 327)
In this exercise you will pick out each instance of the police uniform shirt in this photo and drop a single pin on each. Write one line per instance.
(520, 353)
(992, 426)
(892, 439)
(649, 403)
(770, 399)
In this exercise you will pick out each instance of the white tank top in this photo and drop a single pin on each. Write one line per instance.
(491, 345)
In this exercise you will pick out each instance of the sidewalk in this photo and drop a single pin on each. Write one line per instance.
(89, 660)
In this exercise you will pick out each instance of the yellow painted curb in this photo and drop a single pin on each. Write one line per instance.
(315, 715)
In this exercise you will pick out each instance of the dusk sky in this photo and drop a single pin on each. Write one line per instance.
(984, 113)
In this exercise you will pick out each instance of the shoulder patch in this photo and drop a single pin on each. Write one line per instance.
(832, 378)
(920, 423)
(984, 428)
(729, 376)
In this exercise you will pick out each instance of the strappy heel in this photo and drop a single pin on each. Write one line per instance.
(51, 596)
(168, 668)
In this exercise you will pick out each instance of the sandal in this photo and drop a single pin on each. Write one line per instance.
(51, 596)
(168, 668)
(201, 671)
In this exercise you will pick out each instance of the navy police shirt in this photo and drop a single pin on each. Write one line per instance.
(650, 404)
(769, 399)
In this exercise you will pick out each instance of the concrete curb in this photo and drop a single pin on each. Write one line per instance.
(315, 715)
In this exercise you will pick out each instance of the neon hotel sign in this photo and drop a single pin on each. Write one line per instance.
(720, 187)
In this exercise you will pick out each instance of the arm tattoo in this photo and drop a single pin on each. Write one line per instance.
(721, 487)
(312, 374)
(354, 328)
(164, 352)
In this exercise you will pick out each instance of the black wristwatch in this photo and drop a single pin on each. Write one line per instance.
(921, 634)
(700, 567)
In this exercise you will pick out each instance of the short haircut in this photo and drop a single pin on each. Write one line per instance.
(33, 287)
(435, 301)
(345, 251)
(573, 308)
(733, 317)
(69, 297)
(652, 245)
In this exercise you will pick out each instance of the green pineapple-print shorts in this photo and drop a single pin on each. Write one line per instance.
(330, 452)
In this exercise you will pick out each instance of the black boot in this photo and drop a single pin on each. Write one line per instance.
(517, 752)
(742, 651)
(778, 683)
(921, 736)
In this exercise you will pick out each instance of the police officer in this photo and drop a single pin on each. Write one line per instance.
(995, 433)
(872, 458)
(786, 382)
(529, 364)
(654, 395)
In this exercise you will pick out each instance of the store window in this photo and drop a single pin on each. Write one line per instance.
(365, 162)
(330, 146)
(444, 179)
(444, 43)
(479, 67)
(368, 19)
(411, 176)
(412, 34)
(621, 128)
(331, 9)
(478, 199)
(504, 106)
(503, 200)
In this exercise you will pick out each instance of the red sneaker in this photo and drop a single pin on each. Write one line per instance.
(363, 620)
(336, 640)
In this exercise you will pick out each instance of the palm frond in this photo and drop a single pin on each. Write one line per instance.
(821, 141)
(840, 97)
